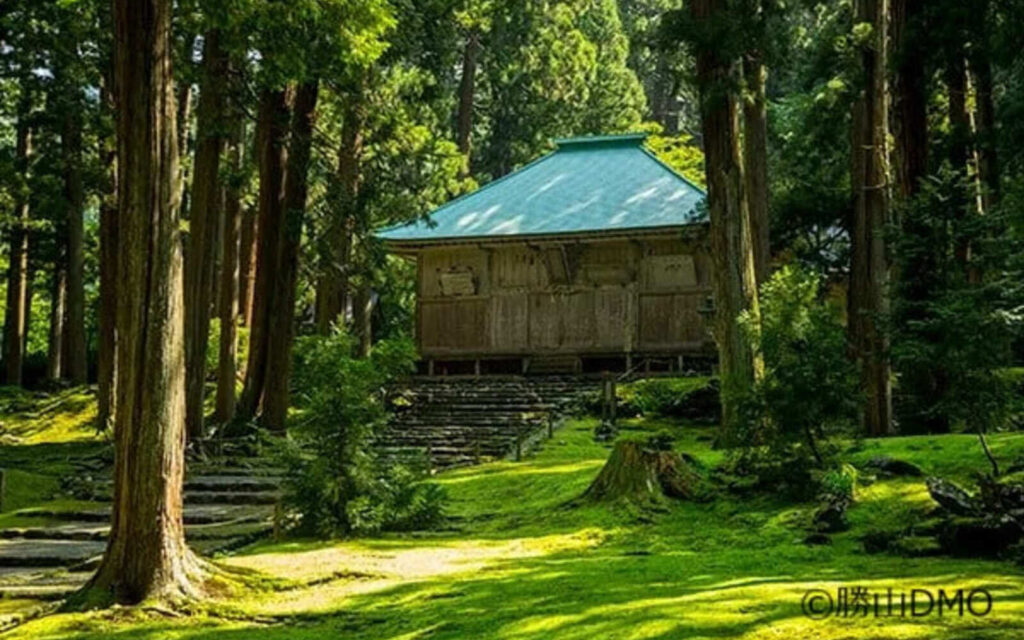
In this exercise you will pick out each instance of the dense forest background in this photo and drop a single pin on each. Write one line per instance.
(880, 144)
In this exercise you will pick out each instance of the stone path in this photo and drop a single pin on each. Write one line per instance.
(55, 550)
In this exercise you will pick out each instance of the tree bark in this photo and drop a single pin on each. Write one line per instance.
(362, 315)
(226, 360)
(988, 160)
(282, 313)
(204, 219)
(107, 356)
(955, 72)
(869, 269)
(16, 317)
(334, 285)
(467, 91)
(637, 472)
(910, 120)
(735, 284)
(183, 115)
(58, 298)
(247, 265)
(272, 134)
(755, 155)
(146, 556)
(75, 351)
(910, 100)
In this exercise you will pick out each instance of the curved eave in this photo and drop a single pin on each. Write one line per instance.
(413, 246)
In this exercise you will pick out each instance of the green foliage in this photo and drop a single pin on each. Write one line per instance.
(808, 391)
(839, 483)
(551, 70)
(679, 152)
(335, 480)
(953, 322)
(692, 398)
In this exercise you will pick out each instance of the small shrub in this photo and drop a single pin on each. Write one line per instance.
(335, 480)
(809, 390)
(839, 483)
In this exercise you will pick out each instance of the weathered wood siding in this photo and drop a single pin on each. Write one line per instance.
(598, 297)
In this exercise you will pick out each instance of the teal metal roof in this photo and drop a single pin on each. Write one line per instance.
(593, 184)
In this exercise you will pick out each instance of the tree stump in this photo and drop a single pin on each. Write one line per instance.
(637, 471)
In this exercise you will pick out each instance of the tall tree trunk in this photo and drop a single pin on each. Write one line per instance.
(755, 156)
(183, 115)
(467, 92)
(735, 285)
(228, 307)
(16, 319)
(204, 219)
(75, 350)
(271, 137)
(336, 271)
(58, 299)
(910, 100)
(107, 355)
(869, 270)
(988, 161)
(959, 148)
(146, 556)
(247, 265)
(282, 314)
(362, 317)
(917, 278)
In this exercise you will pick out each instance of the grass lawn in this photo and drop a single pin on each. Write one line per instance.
(516, 562)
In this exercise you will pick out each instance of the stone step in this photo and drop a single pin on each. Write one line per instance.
(98, 532)
(481, 422)
(194, 515)
(476, 408)
(48, 553)
(233, 483)
(233, 498)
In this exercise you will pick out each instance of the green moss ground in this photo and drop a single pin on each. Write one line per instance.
(517, 562)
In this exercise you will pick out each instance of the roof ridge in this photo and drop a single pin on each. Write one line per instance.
(635, 137)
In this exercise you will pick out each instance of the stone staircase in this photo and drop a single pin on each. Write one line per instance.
(47, 553)
(463, 421)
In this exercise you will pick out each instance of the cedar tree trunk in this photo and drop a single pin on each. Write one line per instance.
(204, 217)
(107, 356)
(16, 317)
(869, 270)
(226, 360)
(755, 155)
(75, 351)
(146, 556)
(281, 314)
(271, 136)
(735, 285)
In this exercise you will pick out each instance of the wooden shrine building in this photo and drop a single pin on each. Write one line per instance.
(591, 258)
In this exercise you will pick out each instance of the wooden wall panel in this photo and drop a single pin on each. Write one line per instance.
(455, 325)
(579, 324)
(517, 267)
(510, 322)
(545, 330)
(672, 319)
(624, 296)
(611, 318)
